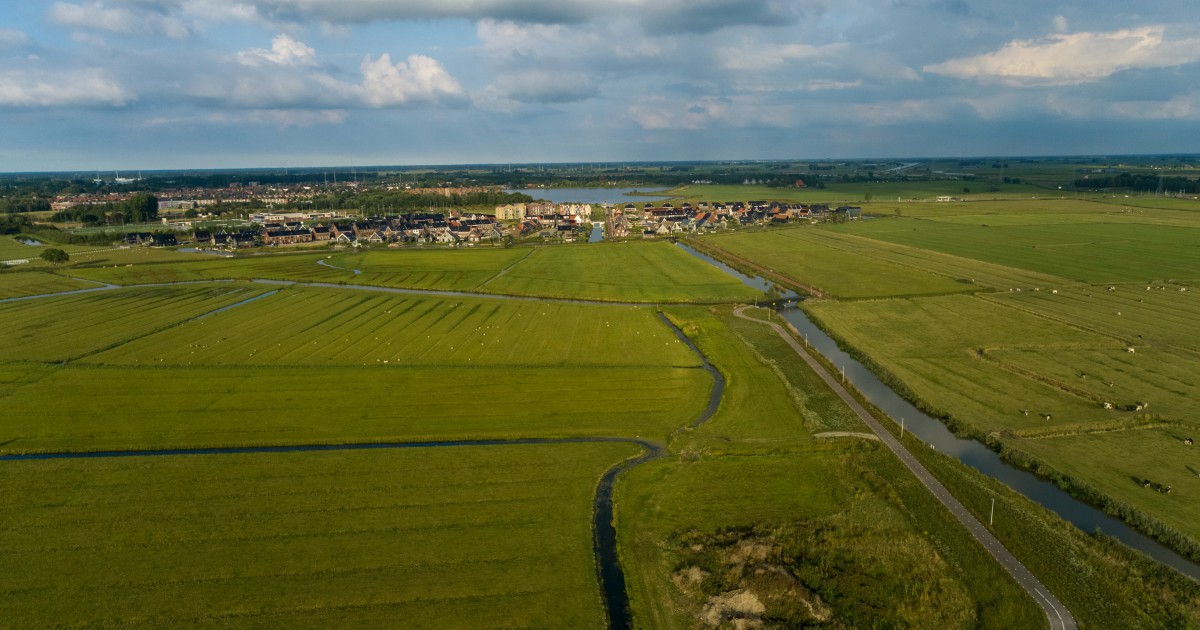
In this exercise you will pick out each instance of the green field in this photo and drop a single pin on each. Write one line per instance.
(1069, 315)
(388, 367)
(1081, 251)
(24, 283)
(804, 254)
(58, 328)
(313, 326)
(629, 272)
(431, 537)
(623, 272)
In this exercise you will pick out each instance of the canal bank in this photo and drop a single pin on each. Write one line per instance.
(970, 452)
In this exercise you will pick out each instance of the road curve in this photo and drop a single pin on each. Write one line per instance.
(1056, 613)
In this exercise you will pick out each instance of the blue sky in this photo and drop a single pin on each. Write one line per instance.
(145, 84)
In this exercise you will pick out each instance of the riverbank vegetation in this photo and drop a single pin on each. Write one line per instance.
(757, 517)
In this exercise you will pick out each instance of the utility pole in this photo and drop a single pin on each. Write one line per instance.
(992, 514)
(901, 427)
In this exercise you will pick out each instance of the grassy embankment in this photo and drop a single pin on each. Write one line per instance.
(1104, 583)
(751, 513)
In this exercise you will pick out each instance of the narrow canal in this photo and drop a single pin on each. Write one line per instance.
(970, 452)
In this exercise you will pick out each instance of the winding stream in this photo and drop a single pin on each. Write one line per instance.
(968, 451)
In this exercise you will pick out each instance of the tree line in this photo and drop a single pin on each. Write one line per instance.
(139, 208)
(1141, 183)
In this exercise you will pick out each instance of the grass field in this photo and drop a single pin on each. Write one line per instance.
(624, 272)
(461, 537)
(1080, 251)
(802, 254)
(627, 272)
(150, 374)
(310, 326)
(63, 327)
(23, 283)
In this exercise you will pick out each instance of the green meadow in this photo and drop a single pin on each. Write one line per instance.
(426, 537)
(621, 272)
(802, 254)
(1074, 322)
(58, 328)
(629, 272)
(25, 283)
(757, 504)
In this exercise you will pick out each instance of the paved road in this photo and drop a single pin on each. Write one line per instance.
(1059, 617)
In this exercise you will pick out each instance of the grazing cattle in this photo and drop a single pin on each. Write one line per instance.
(1130, 350)
(1045, 416)
(1106, 405)
(1112, 289)
(1055, 291)
(1025, 412)
(1187, 441)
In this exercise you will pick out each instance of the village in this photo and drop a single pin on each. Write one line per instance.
(525, 221)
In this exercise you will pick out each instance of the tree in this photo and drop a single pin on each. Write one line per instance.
(142, 207)
(55, 255)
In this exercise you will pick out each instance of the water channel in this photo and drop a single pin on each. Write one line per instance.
(970, 452)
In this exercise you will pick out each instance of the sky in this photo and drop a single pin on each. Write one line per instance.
(153, 84)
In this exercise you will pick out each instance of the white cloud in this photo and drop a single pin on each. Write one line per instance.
(118, 19)
(13, 37)
(89, 87)
(285, 51)
(1073, 59)
(419, 80)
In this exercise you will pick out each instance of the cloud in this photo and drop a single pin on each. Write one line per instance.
(420, 79)
(88, 87)
(661, 16)
(1073, 59)
(282, 118)
(285, 51)
(546, 87)
(137, 20)
(12, 37)
(291, 76)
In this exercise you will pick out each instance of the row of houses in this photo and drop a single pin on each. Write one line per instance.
(421, 227)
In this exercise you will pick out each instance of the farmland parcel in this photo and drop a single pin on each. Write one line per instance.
(457, 535)
(1072, 344)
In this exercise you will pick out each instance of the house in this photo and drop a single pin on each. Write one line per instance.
(201, 236)
(137, 238)
(287, 236)
(320, 232)
(163, 240)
